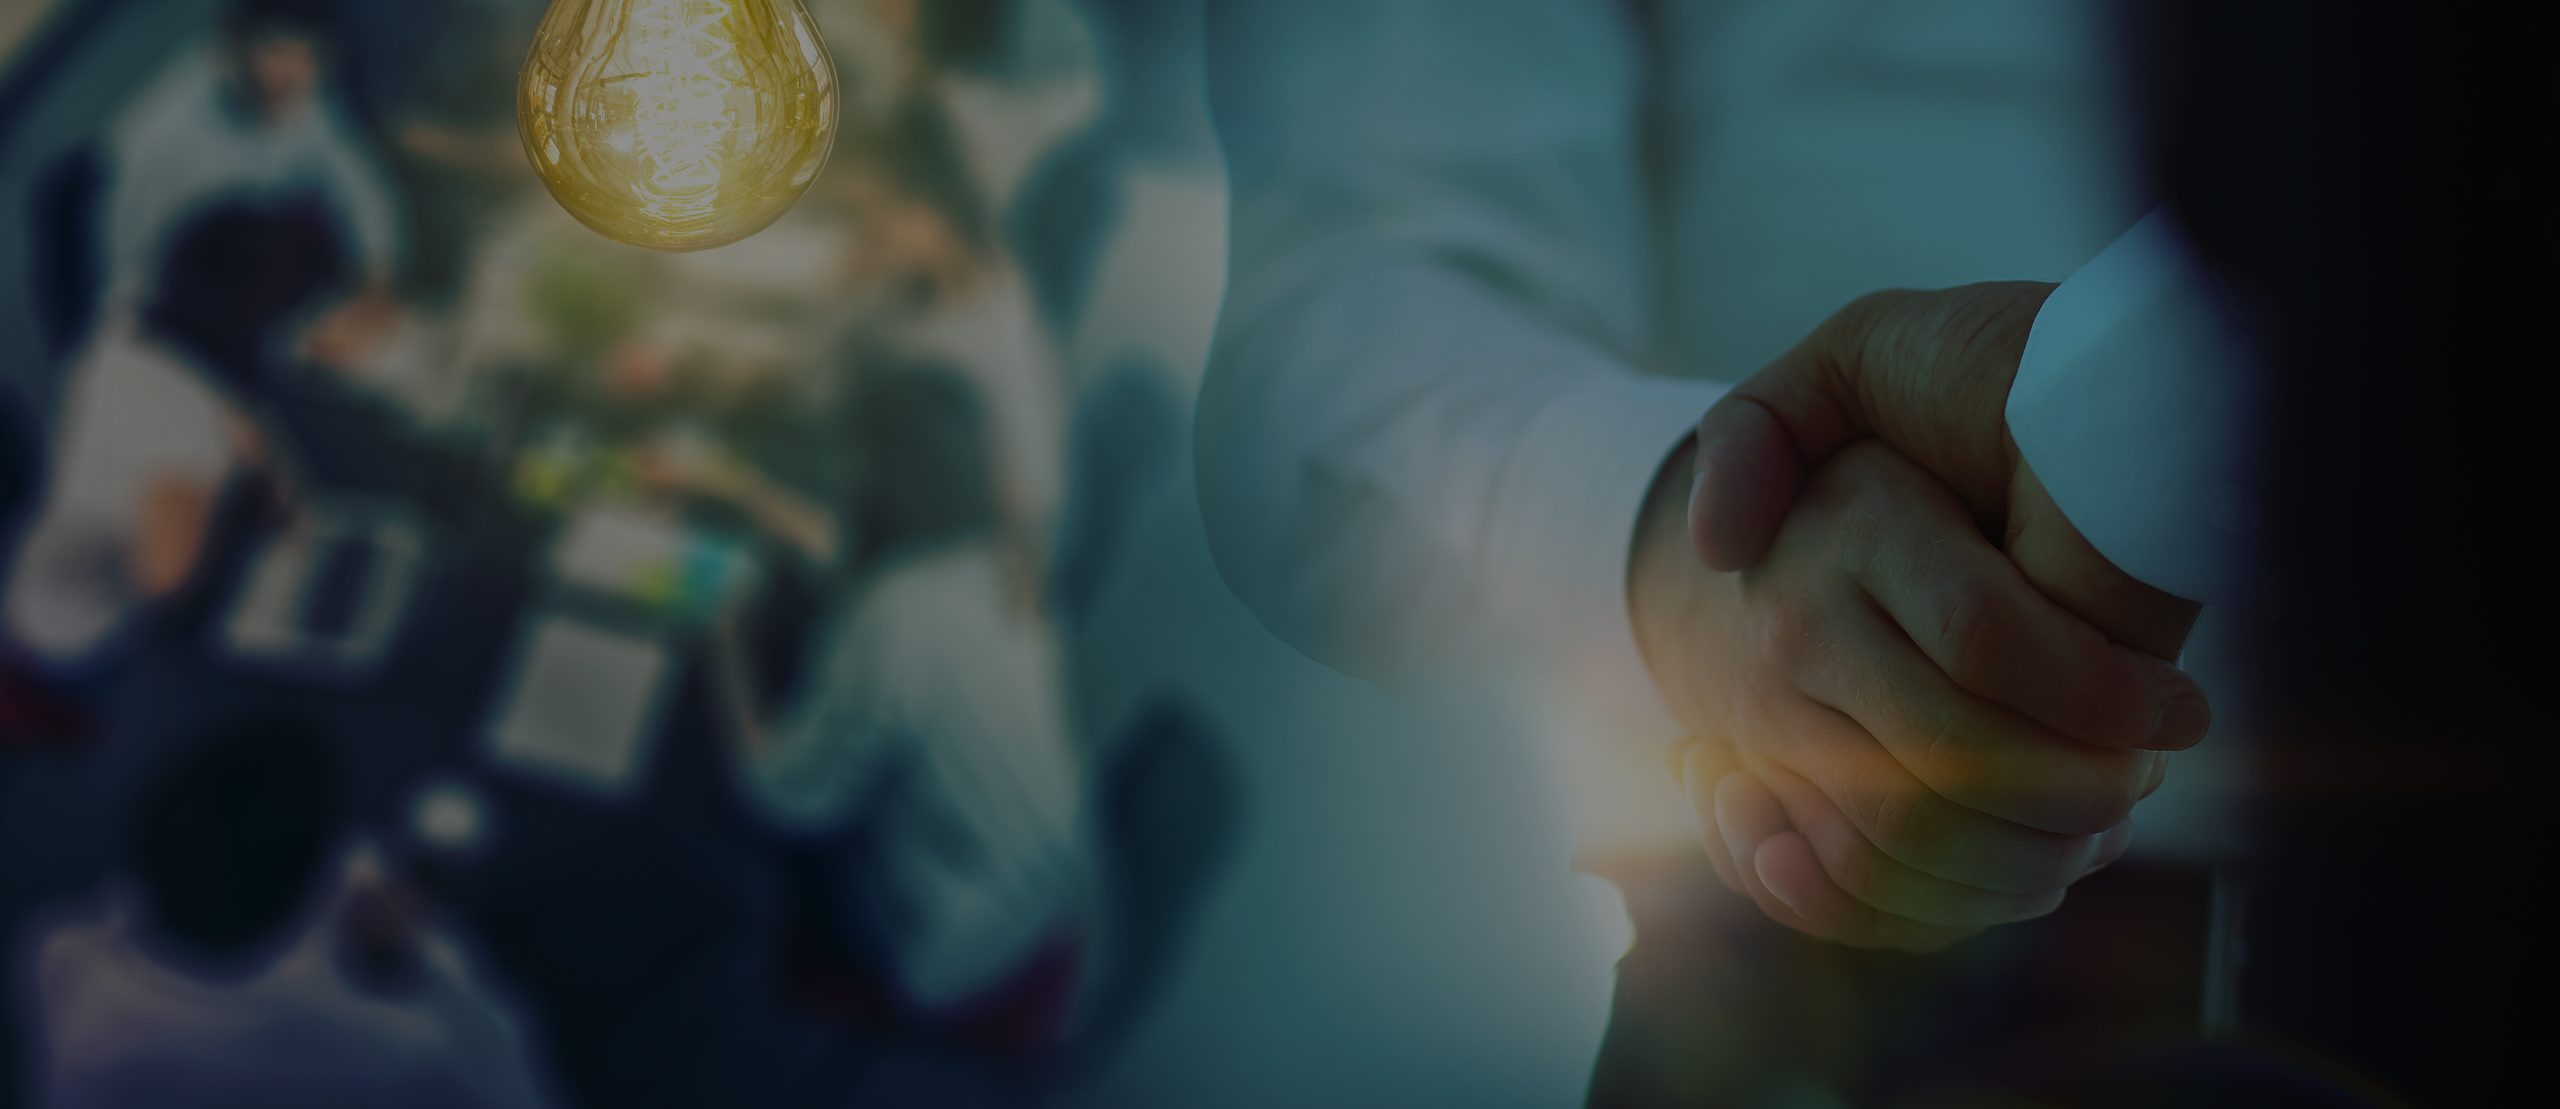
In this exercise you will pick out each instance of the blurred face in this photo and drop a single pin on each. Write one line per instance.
(281, 70)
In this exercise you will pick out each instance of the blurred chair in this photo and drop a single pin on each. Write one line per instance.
(1058, 226)
(67, 253)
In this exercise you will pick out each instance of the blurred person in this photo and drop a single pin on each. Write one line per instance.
(927, 749)
(957, 297)
(250, 118)
(1018, 85)
(164, 434)
(1482, 256)
(1038, 55)
(1019, 78)
(438, 82)
(254, 953)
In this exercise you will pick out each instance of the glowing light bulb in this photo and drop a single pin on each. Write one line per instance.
(678, 124)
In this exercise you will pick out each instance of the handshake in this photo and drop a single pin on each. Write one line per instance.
(1920, 702)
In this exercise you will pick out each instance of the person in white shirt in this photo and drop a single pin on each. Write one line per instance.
(934, 714)
(158, 425)
(252, 958)
(142, 461)
(1483, 252)
(248, 119)
(959, 298)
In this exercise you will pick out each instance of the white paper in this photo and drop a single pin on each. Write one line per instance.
(583, 706)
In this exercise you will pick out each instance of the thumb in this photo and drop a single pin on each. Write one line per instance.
(1926, 372)
(1755, 448)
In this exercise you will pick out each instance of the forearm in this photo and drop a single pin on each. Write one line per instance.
(372, 215)
(1456, 469)
(796, 520)
(1424, 432)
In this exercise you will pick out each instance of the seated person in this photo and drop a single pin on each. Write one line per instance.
(927, 747)
(956, 297)
(248, 120)
(1019, 77)
(252, 956)
(157, 425)
(438, 83)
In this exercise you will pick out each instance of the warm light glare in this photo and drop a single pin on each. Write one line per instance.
(678, 124)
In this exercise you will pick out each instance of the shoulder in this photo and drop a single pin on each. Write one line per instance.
(179, 99)
(135, 384)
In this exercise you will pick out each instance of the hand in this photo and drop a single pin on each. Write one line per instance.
(170, 538)
(1929, 373)
(347, 339)
(1955, 749)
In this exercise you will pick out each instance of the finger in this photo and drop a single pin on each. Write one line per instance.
(1910, 823)
(1974, 613)
(1857, 869)
(1756, 446)
(2112, 847)
(1787, 865)
(1971, 752)
(1747, 816)
(1703, 763)
(1748, 473)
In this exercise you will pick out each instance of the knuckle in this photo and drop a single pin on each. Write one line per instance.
(1861, 316)
(1895, 821)
(1941, 761)
(1973, 634)
(1789, 625)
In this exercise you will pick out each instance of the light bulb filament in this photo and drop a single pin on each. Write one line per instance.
(681, 97)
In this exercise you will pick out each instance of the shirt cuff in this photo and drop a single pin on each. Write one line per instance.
(2133, 405)
(1586, 463)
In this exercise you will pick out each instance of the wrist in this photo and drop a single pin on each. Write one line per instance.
(2061, 562)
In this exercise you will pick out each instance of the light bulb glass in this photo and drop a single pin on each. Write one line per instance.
(678, 124)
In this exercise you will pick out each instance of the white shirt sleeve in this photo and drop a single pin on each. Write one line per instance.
(158, 166)
(132, 416)
(2134, 405)
(1424, 436)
